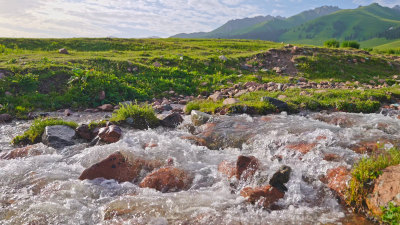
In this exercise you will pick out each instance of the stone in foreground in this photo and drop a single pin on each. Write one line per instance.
(263, 196)
(58, 136)
(169, 179)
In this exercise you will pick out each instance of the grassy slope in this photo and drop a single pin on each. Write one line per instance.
(358, 24)
(126, 69)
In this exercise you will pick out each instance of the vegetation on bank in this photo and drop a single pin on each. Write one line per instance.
(364, 173)
(34, 134)
(141, 116)
(366, 101)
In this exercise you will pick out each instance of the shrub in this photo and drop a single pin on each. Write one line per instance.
(332, 43)
(143, 116)
(350, 44)
(366, 171)
(35, 131)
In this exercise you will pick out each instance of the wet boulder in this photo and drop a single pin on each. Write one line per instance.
(4, 118)
(172, 120)
(337, 179)
(227, 168)
(302, 147)
(246, 167)
(280, 178)
(84, 132)
(20, 153)
(116, 166)
(386, 189)
(169, 179)
(280, 105)
(264, 196)
(110, 134)
(58, 136)
(199, 118)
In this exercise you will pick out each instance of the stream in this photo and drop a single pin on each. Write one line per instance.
(45, 189)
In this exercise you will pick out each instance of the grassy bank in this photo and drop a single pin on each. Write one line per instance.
(37, 77)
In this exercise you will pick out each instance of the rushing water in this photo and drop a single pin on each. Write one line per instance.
(45, 189)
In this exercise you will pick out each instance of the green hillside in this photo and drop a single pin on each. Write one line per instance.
(359, 24)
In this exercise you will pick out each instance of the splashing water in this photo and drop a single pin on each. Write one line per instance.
(45, 189)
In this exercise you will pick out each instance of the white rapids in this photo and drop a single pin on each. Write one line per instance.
(45, 189)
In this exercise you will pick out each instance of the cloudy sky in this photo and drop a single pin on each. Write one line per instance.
(142, 18)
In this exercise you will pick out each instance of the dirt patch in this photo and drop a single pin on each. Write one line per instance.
(56, 83)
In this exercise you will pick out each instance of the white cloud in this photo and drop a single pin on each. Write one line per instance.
(129, 18)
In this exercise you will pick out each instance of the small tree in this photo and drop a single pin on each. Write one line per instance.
(332, 43)
(350, 44)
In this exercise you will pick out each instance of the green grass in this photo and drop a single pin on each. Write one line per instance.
(343, 100)
(365, 172)
(391, 214)
(143, 116)
(34, 133)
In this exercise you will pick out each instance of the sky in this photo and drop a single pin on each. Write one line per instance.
(143, 18)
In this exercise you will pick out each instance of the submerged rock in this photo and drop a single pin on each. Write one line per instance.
(167, 179)
(246, 167)
(264, 196)
(115, 166)
(386, 189)
(19, 153)
(58, 136)
(199, 118)
(337, 179)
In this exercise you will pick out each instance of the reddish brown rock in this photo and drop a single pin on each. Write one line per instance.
(266, 118)
(20, 153)
(115, 166)
(265, 196)
(386, 189)
(365, 147)
(167, 179)
(246, 166)
(337, 180)
(106, 108)
(303, 148)
(110, 134)
(227, 168)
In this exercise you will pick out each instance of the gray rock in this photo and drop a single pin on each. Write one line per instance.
(5, 118)
(199, 118)
(223, 58)
(58, 136)
(230, 101)
(63, 51)
(216, 96)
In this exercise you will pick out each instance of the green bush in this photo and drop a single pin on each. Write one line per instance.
(143, 116)
(365, 172)
(332, 43)
(35, 131)
(350, 44)
(391, 214)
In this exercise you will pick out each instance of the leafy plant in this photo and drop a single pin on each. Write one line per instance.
(35, 131)
(391, 214)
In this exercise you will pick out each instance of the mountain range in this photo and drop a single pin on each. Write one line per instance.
(373, 25)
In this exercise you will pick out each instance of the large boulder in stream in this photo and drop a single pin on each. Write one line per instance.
(244, 168)
(199, 118)
(386, 189)
(169, 179)
(120, 167)
(58, 136)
